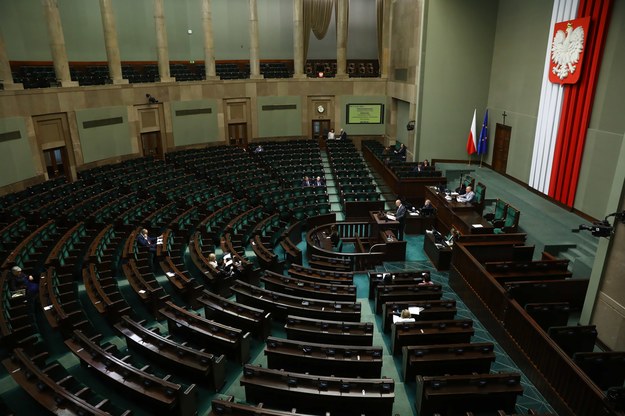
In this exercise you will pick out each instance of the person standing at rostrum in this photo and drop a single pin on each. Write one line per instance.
(400, 216)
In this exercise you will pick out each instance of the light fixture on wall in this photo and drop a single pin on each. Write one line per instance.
(151, 100)
(410, 125)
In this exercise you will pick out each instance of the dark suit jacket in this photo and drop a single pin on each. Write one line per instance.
(149, 242)
(343, 135)
(400, 215)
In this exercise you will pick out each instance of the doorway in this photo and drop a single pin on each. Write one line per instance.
(151, 144)
(320, 129)
(57, 162)
(237, 134)
(501, 147)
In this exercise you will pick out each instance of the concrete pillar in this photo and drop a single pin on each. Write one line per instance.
(162, 50)
(298, 39)
(57, 43)
(341, 39)
(6, 77)
(110, 42)
(254, 60)
(209, 48)
(385, 59)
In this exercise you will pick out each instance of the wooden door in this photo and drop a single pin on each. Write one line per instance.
(320, 129)
(502, 145)
(57, 163)
(151, 144)
(237, 134)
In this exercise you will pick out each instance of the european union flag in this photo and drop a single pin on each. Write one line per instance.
(482, 144)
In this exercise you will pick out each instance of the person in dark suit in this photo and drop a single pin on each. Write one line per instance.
(319, 181)
(19, 280)
(343, 135)
(400, 216)
(401, 152)
(306, 181)
(144, 240)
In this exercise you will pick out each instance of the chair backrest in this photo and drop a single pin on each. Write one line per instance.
(512, 217)
(500, 209)
(480, 192)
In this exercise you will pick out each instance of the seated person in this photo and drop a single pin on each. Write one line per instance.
(421, 167)
(144, 240)
(319, 182)
(401, 152)
(469, 196)
(212, 260)
(306, 181)
(404, 316)
(258, 149)
(427, 281)
(20, 281)
(427, 209)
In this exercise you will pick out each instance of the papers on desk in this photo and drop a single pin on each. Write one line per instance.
(170, 274)
(391, 217)
(477, 226)
(438, 245)
(415, 310)
(397, 319)
(159, 241)
(455, 194)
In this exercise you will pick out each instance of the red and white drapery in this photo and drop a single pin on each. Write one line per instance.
(564, 111)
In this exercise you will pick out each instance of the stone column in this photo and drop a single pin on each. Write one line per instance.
(162, 50)
(298, 39)
(209, 48)
(6, 77)
(254, 60)
(385, 59)
(57, 43)
(341, 39)
(110, 42)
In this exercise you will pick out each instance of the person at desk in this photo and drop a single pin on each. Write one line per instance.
(319, 182)
(20, 281)
(212, 260)
(144, 240)
(469, 196)
(404, 316)
(401, 152)
(427, 280)
(343, 135)
(259, 149)
(334, 237)
(306, 181)
(400, 216)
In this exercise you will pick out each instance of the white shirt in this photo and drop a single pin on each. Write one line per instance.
(331, 135)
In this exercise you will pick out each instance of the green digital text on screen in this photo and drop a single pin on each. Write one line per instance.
(365, 113)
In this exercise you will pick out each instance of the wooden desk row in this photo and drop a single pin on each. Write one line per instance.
(238, 315)
(183, 359)
(213, 335)
(313, 393)
(432, 310)
(300, 287)
(399, 292)
(329, 332)
(450, 395)
(324, 359)
(160, 393)
(433, 360)
(281, 305)
(377, 278)
(321, 276)
(452, 331)
(51, 392)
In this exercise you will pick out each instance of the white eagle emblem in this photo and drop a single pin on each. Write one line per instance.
(566, 49)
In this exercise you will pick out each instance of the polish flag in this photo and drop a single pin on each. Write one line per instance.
(472, 141)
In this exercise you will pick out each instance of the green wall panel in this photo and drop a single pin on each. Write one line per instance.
(274, 122)
(16, 161)
(105, 141)
(458, 53)
(193, 123)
